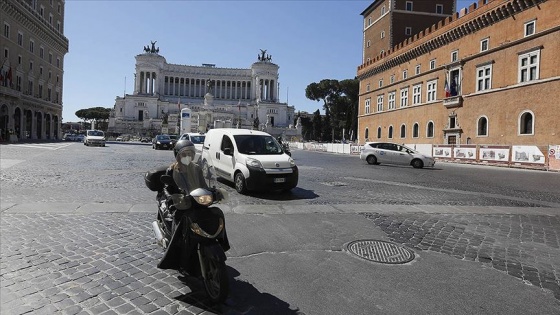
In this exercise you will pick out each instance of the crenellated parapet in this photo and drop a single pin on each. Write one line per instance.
(478, 16)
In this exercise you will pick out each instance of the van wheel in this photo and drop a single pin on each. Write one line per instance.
(240, 183)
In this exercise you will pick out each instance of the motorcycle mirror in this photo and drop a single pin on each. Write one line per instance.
(166, 179)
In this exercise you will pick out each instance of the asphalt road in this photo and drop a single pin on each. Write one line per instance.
(76, 239)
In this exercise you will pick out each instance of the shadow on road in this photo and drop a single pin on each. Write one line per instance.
(244, 298)
(296, 193)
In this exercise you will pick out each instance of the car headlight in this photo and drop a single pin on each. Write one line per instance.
(254, 163)
(157, 142)
(292, 162)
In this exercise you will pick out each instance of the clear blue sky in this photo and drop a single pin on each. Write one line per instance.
(309, 40)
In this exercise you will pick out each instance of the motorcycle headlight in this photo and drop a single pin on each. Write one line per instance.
(254, 163)
(204, 200)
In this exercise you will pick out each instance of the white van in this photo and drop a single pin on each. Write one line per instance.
(94, 137)
(252, 160)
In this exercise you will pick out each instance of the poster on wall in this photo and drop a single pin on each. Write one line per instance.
(494, 154)
(527, 154)
(554, 157)
(442, 152)
(465, 152)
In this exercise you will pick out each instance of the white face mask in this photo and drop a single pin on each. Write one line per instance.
(186, 160)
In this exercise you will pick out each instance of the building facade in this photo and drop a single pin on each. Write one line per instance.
(217, 97)
(487, 75)
(31, 69)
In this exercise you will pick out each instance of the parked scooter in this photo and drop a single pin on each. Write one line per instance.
(187, 226)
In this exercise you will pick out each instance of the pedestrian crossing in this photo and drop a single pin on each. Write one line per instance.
(46, 146)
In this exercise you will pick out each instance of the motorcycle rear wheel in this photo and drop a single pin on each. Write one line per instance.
(216, 281)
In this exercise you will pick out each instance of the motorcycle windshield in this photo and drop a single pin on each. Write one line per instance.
(192, 176)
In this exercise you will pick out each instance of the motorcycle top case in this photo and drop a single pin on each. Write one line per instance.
(152, 178)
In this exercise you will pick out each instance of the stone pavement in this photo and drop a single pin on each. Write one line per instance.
(74, 258)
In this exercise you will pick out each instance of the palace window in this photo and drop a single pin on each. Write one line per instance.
(529, 66)
(378, 132)
(432, 64)
(391, 98)
(430, 129)
(6, 53)
(484, 44)
(530, 28)
(454, 56)
(415, 130)
(526, 123)
(368, 43)
(380, 103)
(417, 94)
(484, 78)
(368, 105)
(439, 8)
(409, 6)
(20, 39)
(482, 126)
(403, 131)
(408, 30)
(382, 10)
(431, 88)
(454, 88)
(392, 79)
(390, 135)
(381, 83)
(41, 52)
(382, 34)
(417, 69)
(7, 30)
(366, 134)
(404, 97)
(367, 87)
(405, 74)
(31, 46)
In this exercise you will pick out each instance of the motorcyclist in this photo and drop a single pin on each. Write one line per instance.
(187, 176)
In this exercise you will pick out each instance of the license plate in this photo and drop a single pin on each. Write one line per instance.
(279, 180)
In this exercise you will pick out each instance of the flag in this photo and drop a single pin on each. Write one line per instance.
(447, 91)
(239, 105)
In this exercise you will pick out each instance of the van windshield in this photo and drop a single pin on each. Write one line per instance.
(257, 144)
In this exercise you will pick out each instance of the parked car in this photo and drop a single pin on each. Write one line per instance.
(162, 142)
(392, 153)
(69, 137)
(94, 137)
(79, 138)
(174, 139)
(145, 140)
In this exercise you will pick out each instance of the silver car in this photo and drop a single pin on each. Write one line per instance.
(392, 153)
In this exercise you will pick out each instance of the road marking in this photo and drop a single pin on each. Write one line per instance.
(48, 146)
(5, 163)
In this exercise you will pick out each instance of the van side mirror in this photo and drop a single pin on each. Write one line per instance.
(227, 151)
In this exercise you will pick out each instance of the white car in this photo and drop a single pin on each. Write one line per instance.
(392, 153)
(94, 137)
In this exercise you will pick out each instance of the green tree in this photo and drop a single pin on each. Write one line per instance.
(99, 115)
(340, 102)
(317, 126)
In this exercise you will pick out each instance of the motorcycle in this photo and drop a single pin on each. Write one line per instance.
(190, 230)
(287, 149)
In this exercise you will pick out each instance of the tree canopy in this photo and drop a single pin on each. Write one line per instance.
(340, 102)
(97, 114)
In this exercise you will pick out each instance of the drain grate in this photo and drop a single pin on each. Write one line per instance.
(380, 251)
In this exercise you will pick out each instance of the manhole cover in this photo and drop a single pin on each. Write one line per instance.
(380, 251)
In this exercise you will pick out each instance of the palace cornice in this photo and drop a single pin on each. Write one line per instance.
(30, 19)
(484, 20)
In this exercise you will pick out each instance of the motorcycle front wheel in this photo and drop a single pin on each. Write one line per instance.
(216, 280)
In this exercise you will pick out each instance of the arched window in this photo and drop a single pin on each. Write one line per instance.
(415, 130)
(526, 123)
(403, 131)
(378, 132)
(366, 134)
(430, 129)
(390, 136)
(482, 126)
